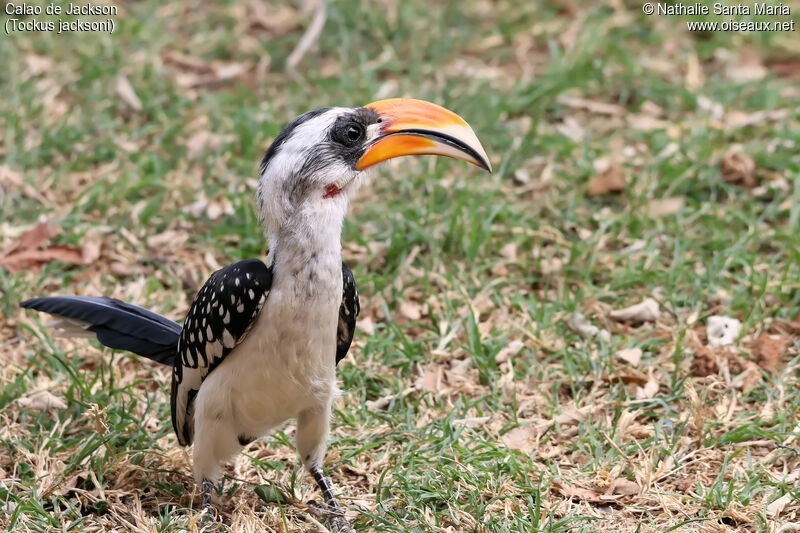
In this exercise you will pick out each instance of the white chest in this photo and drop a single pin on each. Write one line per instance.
(286, 363)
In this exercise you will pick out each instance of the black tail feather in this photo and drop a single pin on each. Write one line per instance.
(117, 324)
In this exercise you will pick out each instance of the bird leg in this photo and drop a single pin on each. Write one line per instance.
(324, 485)
(312, 432)
(206, 488)
(332, 512)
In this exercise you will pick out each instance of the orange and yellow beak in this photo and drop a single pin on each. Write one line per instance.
(415, 127)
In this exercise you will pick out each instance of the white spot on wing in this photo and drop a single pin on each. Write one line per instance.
(213, 350)
(227, 339)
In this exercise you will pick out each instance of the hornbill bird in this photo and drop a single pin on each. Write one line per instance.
(261, 341)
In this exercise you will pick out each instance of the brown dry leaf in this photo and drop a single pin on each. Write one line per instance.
(618, 489)
(665, 206)
(521, 438)
(649, 390)
(42, 401)
(35, 237)
(593, 106)
(610, 180)
(684, 485)
(581, 325)
(570, 415)
(748, 68)
(625, 487)
(509, 251)
(204, 140)
(740, 169)
(366, 324)
(410, 310)
(704, 362)
(10, 179)
(38, 65)
(36, 258)
(508, 351)
(785, 67)
(91, 250)
(579, 493)
(769, 350)
(630, 355)
(430, 380)
(645, 311)
(127, 94)
(775, 508)
(646, 122)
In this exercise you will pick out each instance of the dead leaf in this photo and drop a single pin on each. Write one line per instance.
(748, 68)
(571, 415)
(739, 168)
(630, 355)
(579, 493)
(366, 324)
(593, 106)
(665, 206)
(508, 351)
(785, 67)
(42, 401)
(430, 380)
(38, 65)
(610, 180)
(581, 325)
(769, 350)
(10, 179)
(704, 362)
(684, 485)
(35, 237)
(410, 310)
(206, 141)
(775, 508)
(737, 120)
(571, 129)
(127, 94)
(36, 258)
(619, 488)
(91, 248)
(625, 487)
(645, 311)
(645, 122)
(649, 390)
(509, 251)
(521, 438)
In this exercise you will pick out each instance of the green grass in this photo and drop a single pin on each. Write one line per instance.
(426, 231)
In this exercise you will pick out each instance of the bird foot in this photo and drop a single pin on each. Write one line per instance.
(209, 517)
(333, 516)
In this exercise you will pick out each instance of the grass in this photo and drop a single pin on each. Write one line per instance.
(434, 431)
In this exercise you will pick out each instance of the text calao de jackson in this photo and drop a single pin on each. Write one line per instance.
(55, 8)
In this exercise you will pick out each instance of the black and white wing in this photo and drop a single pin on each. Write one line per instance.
(220, 316)
(348, 312)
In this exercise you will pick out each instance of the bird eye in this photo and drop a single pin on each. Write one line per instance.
(353, 133)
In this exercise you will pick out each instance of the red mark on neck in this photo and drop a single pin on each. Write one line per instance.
(331, 191)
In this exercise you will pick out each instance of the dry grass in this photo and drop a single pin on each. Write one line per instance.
(633, 160)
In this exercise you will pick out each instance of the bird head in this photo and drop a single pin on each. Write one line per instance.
(320, 158)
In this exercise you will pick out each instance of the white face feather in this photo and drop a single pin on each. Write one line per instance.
(288, 184)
